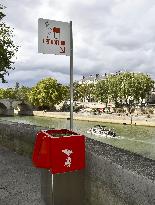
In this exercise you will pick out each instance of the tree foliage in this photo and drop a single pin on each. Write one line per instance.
(124, 88)
(102, 91)
(22, 93)
(65, 92)
(16, 93)
(47, 93)
(7, 47)
(84, 92)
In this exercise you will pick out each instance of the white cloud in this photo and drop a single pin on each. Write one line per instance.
(109, 35)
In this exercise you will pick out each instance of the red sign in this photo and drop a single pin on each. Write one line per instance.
(59, 154)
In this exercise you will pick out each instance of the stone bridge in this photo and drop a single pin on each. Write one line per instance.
(9, 107)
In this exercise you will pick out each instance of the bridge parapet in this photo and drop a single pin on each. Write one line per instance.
(7, 107)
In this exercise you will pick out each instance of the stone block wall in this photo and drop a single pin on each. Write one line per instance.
(118, 177)
(18, 136)
(112, 176)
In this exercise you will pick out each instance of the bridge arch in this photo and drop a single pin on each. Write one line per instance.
(3, 109)
(22, 108)
(11, 107)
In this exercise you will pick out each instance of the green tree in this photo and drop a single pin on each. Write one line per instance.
(77, 95)
(84, 92)
(142, 86)
(16, 93)
(90, 94)
(1, 93)
(102, 91)
(7, 47)
(114, 88)
(124, 88)
(22, 93)
(47, 93)
(65, 92)
(126, 83)
(8, 93)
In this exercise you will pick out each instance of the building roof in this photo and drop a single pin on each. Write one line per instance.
(92, 78)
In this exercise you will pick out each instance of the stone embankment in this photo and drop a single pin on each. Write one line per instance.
(110, 118)
(112, 176)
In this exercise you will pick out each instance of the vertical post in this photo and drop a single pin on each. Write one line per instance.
(131, 119)
(71, 77)
(52, 190)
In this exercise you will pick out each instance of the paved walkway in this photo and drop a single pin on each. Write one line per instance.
(19, 181)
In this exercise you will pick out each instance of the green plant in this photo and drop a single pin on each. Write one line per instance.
(7, 47)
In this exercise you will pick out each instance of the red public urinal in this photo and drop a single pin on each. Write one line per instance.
(59, 151)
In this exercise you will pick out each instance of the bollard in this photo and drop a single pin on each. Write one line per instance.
(61, 155)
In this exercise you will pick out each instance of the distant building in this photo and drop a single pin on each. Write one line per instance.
(92, 79)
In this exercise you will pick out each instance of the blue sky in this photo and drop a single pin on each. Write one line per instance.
(109, 35)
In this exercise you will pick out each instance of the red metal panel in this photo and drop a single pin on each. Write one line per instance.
(68, 154)
(41, 153)
(59, 150)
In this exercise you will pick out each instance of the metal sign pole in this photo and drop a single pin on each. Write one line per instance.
(71, 77)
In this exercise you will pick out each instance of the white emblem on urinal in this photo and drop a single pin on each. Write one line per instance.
(68, 159)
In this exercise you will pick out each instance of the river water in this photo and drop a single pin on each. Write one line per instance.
(138, 139)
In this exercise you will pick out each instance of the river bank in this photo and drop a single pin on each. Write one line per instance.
(109, 118)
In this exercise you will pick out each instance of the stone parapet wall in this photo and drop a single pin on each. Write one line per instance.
(112, 176)
(118, 177)
(18, 136)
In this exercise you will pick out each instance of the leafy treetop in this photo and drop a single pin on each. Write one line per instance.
(7, 47)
